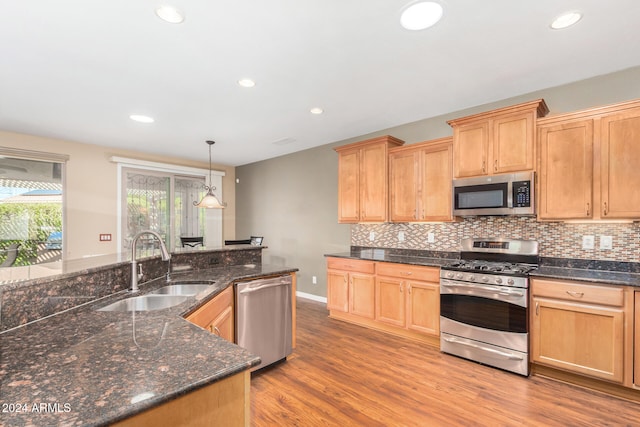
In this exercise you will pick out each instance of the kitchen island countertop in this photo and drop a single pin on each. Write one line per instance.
(87, 367)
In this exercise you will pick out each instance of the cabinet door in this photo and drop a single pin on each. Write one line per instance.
(470, 147)
(403, 185)
(620, 172)
(348, 186)
(513, 143)
(435, 189)
(636, 350)
(423, 307)
(362, 295)
(373, 183)
(566, 171)
(582, 338)
(390, 301)
(223, 325)
(337, 290)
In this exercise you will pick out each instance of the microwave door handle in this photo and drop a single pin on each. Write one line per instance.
(510, 194)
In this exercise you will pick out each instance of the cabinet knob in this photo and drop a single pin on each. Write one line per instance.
(606, 209)
(588, 209)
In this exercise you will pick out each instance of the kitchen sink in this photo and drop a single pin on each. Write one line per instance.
(185, 289)
(145, 303)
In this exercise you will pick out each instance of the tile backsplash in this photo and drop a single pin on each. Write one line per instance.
(556, 239)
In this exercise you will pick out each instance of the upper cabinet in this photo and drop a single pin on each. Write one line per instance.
(588, 164)
(420, 181)
(362, 180)
(498, 141)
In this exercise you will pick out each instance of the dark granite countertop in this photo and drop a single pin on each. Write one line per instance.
(94, 368)
(398, 256)
(607, 277)
(604, 272)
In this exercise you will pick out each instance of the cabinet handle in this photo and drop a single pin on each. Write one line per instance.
(217, 331)
(588, 210)
(409, 288)
(484, 166)
(495, 165)
(606, 210)
(576, 294)
(408, 273)
(400, 287)
(537, 308)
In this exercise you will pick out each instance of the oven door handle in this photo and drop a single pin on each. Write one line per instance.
(510, 356)
(498, 289)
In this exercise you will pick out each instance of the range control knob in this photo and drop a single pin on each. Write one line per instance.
(472, 278)
(510, 282)
(498, 280)
(485, 279)
(459, 276)
(449, 275)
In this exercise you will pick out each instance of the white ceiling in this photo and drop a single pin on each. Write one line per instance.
(76, 70)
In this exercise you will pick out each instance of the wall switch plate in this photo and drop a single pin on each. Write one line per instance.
(588, 242)
(401, 236)
(105, 237)
(372, 236)
(314, 280)
(606, 242)
(431, 238)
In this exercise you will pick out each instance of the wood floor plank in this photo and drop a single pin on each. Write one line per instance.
(346, 375)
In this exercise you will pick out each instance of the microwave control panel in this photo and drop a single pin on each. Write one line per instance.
(521, 194)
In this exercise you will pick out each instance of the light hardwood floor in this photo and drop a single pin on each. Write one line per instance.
(345, 375)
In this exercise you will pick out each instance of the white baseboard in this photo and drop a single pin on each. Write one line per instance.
(312, 297)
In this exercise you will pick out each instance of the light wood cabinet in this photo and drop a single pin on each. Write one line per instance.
(498, 141)
(420, 181)
(579, 327)
(636, 345)
(408, 297)
(588, 164)
(350, 286)
(216, 316)
(362, 180)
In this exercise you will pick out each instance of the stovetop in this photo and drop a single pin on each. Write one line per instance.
(488, 267)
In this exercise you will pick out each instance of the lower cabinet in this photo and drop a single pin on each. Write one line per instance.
(216, 315)
(408, 296)
(396, 298)
(350, 286)
(579, 327)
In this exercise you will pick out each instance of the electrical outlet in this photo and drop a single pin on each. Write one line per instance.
(588, 242)
(606, 242)
(372, 236)
(314, 280)
(431, 238)
(401, 236)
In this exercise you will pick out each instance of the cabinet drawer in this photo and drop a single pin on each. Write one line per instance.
(406, 271)
(578, 291)
(351, 265)
(212, 309)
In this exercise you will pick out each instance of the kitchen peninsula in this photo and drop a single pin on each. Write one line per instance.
(89, 367)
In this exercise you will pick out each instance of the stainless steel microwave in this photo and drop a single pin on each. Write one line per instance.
(507, 194)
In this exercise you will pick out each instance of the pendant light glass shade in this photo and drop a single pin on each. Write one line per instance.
(210, 201)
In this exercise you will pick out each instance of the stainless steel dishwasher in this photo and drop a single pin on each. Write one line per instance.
(263, 318)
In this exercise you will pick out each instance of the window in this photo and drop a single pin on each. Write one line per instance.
(31, 209)
(161, 198)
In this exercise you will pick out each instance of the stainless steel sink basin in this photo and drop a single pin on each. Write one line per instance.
(145, 303)
(186, 289)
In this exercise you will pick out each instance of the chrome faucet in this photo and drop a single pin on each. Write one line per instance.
(166, 256)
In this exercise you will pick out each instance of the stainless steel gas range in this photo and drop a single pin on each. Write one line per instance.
(484, 300)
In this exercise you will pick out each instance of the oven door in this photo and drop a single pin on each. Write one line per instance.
(494, 314)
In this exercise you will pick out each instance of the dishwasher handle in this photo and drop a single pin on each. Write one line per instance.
(261, 287)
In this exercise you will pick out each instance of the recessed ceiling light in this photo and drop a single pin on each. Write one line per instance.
(170, 14)
(565, 20)
(141, 118)
(246, 83)
(316, 110)
(421, 15)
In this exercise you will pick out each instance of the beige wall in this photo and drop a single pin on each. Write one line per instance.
(292, 200)
(91, 190)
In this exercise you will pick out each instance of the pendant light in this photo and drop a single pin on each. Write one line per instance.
(210, 201)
